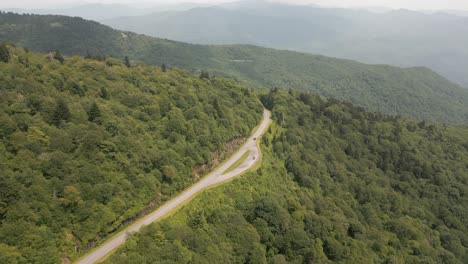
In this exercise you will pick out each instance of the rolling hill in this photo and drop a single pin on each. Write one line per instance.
(102, 11)
(397, 37)
(88, 11)
(414, 92)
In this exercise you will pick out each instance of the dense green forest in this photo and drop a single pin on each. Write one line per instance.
(85, 145)
(415, 92)
(88, 143)
(337, 185)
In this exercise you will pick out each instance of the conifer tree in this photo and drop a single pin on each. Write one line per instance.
(4, 53)
(94, 112)
(217, 107)
(58, 56)
(104, 94)
(204, 75)
(127, 62)
(61, 113)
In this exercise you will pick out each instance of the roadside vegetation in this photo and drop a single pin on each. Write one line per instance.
(337, 185)
(238, 162)
(86, 144)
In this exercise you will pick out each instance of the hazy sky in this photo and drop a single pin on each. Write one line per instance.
(409, 4)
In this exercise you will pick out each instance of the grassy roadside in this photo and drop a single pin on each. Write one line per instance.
(238, 162)
(258, 164)
(255, 167)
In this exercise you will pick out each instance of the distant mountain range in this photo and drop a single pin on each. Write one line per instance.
(398, 37)
(463, 13)
(90, 144)
(100, 12)
(416, 92)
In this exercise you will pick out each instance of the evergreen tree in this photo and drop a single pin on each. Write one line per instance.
(104, 94)
(4, 53)
(61, 113)
(77, 89)
(217, 107)
(127, 62)
(94, 112)
(98, 57)
(58, 56)
(204, 75)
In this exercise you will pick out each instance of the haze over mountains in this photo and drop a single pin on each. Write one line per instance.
(99, 12)
(100, 126)
(417, 92)
(86, 144)
(377, 35)
(398, 37)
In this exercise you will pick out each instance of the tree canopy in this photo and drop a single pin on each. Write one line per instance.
(87, 145)
(413, 92)
(4, 53)
(337, 185)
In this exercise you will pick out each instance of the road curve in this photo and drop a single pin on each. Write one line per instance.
(215, 177)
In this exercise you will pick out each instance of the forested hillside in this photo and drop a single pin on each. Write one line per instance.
(397, 37)
(415, 92)
(337, 185)
(85, 145)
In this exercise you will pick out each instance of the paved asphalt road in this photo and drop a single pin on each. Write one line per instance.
(215, 177)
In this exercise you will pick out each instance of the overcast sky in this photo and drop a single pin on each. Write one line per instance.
(409, 4)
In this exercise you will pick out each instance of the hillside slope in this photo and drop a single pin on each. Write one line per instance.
(398, 37)
(414, 92)
(337, 185)
(87, 145)
(88, 11)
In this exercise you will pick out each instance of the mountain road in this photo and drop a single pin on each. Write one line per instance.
(217, 176)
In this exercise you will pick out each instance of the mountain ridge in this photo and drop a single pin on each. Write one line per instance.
(406, 92)
(397, 37)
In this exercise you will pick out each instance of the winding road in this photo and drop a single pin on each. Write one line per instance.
(215, 177)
